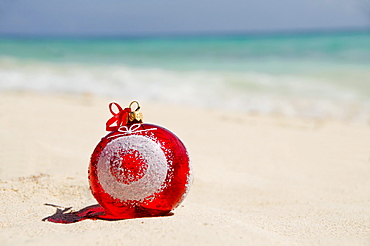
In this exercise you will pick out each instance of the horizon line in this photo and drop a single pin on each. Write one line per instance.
(201, 34)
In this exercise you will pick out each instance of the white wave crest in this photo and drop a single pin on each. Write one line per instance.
(293, 95)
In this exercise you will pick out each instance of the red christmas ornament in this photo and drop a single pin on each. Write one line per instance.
(138, 169)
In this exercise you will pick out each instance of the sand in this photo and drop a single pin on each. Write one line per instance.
(258, 180)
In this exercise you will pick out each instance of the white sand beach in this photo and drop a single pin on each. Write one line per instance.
(258, 180)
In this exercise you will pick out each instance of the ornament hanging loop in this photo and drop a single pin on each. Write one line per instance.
(137, 103)
(135, 116)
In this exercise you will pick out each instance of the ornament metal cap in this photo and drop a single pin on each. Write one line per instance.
(135, 116)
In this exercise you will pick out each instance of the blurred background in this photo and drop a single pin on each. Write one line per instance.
(306, 58)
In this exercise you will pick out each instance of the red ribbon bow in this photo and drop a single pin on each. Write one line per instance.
(120, 118)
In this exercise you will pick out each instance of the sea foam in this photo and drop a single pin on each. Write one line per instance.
(324, 95)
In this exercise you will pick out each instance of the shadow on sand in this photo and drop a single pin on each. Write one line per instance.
(94, 212)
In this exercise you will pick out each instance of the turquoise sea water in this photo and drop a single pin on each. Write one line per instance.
(311, 75)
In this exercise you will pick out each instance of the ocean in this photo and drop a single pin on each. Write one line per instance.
(311, 75)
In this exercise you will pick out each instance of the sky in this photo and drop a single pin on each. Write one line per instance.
(147, 17)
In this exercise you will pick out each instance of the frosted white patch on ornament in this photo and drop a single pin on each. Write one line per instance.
(154, 175)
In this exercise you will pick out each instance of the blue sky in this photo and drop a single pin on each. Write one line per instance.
(137, 17)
